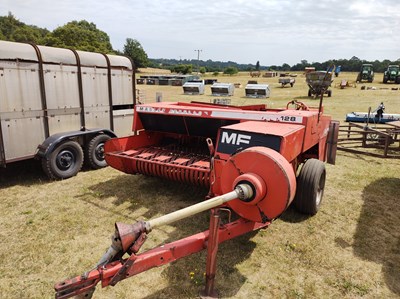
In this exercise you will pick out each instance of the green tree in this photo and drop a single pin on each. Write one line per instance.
(182, 68)
(202, 70)
(12, 29)
(230, 70)
(285, 67)
(80, 35)
(135, 51)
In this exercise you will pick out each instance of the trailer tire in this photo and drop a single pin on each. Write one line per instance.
(310, 187)
(329, 93)
(309, 93)
(64, 162)
(95, 151)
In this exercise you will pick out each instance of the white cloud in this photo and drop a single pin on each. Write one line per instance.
(272, 32)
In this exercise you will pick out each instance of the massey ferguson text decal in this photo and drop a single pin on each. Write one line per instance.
(231, 141)
(235, 138)
(147, 109)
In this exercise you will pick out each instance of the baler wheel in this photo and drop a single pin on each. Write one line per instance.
(64, 162)
(94, 152)
(310, 187)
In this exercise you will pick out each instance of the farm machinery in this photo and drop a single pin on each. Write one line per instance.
(392, 74)
(246, 156)
(366, 73)
(319, 83)
(286, 80)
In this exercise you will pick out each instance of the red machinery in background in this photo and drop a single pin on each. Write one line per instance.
(247, 157)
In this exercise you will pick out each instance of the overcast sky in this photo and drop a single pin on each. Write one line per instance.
(244, 31)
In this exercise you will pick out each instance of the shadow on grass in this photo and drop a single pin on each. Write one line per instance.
(228, 279)
(291, 215)
(158, 197)
(26, 173)
(377, 237)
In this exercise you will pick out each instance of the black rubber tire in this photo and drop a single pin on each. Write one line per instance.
(309, 93)
(310, 187)
(329, 93)
(64, 162)
(398, 80)
(385, 80)
(95, 152)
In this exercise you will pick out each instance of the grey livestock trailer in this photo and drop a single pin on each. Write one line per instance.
(62, 105)
(222, 89)
(257, 91)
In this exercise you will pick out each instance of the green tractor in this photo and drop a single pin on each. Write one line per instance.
(366, 73)
(392, 74)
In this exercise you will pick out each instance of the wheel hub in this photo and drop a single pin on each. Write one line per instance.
(65, 159)
(99, 151)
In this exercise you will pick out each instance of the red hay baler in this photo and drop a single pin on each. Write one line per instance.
(248, 158)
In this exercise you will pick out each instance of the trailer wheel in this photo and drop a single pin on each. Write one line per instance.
(310, 187)
(64, 162)
(329, 93)
(309, 93)
(95, 151)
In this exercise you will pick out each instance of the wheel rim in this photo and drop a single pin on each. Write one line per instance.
(319, 196)
(99, 152)
(65, 160)
(320, 190)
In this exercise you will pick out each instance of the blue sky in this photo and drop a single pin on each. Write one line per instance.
(272, 32)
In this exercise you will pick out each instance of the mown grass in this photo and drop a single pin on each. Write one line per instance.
(350, 249)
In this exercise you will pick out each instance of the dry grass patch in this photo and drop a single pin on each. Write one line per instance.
(350, 249)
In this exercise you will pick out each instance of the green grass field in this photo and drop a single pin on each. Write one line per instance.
(52, 230)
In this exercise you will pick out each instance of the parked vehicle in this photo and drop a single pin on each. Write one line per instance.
(392, 74)
(338, 70)
(61, 105)
(366, 73)
(319, 82)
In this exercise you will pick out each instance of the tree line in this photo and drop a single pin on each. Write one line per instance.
(77, 35)
(85, 36)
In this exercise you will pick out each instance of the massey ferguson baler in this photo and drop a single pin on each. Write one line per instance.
(247, 157)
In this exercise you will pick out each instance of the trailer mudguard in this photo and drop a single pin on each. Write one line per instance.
(47, 147)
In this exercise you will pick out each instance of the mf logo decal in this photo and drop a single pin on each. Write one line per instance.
(235, 138)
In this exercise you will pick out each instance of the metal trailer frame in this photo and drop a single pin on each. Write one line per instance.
(52, 95)
(287, 80)
(319, 83)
